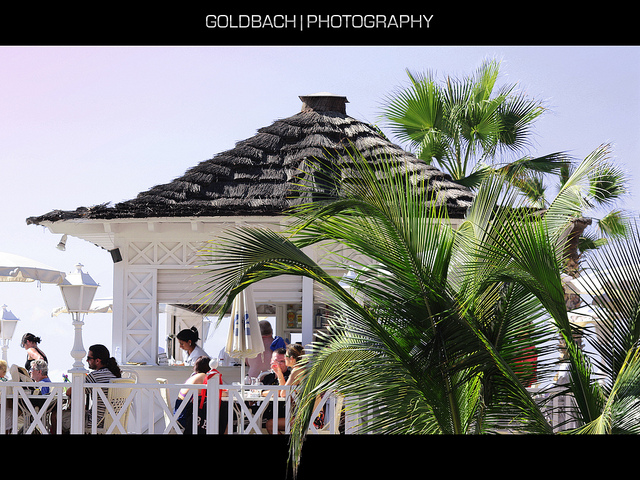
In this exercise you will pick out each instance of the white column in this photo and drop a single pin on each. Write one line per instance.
(77, 403)
(117, 328)
(307, 311)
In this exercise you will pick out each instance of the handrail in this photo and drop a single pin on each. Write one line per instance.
(151, 414)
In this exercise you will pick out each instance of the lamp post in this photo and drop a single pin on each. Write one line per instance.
(78, 290)
(8, 324)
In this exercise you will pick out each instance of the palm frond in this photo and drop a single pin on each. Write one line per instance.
(613, 277)
(621, 410)
(608, 183)
(615, 224)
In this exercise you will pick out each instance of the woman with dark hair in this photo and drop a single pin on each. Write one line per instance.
(187, 339)
(295, 351)
(201, 370)
(30, 344)
(292, 357)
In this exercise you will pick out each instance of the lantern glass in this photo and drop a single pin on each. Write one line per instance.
(8, 323)
(7, 329)
(78, 290)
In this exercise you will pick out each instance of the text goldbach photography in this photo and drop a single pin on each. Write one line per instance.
(314, 22)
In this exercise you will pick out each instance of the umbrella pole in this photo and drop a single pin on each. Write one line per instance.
(242, 378)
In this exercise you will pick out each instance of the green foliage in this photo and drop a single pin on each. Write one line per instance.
(470, 128)
(439, 326)
(464, 125)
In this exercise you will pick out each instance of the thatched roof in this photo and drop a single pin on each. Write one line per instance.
(257, 176)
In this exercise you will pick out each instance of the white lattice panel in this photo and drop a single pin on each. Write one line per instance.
(140, 315)
(163, 253)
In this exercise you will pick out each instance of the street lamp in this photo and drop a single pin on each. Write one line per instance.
(8, 324)
(78, 290)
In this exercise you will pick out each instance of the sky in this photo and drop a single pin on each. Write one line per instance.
(86, 125)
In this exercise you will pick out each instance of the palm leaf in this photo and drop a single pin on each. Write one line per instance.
(621, 410)
(613, 277)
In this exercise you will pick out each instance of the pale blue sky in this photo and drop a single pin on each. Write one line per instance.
(81, 126)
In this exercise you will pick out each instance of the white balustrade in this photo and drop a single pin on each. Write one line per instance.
(152, 409)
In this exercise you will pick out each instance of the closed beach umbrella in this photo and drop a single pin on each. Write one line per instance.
(244, 339)
(16, 268)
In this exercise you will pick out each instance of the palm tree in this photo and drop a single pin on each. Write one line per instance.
(463, 125)
(600, 187)
(595, 185)
(466, 128)
(443, 340)
(612, 279)
(426, 335)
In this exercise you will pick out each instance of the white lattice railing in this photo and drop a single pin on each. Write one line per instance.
(151, 409)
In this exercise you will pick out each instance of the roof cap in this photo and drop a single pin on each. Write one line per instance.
(324, 102)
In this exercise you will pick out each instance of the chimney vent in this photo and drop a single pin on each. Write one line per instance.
(324, 102)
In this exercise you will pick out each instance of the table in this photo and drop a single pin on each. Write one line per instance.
(251, 404)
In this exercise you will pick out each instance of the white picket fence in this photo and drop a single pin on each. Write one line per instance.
(150, 409)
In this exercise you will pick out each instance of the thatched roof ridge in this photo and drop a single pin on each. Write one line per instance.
(256, 176)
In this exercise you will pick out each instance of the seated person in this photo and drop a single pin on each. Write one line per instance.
(292, 356)
(200, 369)
(104, 368)
(197, 377)
(4, 366)
(39, 372)
(278, 364)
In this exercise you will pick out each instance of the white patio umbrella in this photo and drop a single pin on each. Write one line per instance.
(244, 339)
(99, 305)
(16, 268)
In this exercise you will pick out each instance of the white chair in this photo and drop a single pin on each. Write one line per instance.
(20, 374)
(129, 374)
(117, 408)
(166, 397)
(31, 416)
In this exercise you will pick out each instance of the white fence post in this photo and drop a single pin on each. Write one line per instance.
(77, 403)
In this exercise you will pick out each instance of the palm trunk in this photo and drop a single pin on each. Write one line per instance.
(572, 258)
(571, 248)
(571, 268)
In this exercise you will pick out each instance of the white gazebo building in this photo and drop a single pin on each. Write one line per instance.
(153, 238)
